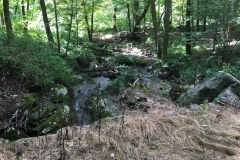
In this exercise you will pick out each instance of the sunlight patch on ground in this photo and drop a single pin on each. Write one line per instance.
(107, 36)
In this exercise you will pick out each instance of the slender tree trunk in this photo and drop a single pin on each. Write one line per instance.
(188, 28)
(46, 21)
(86, 20)
(2, 19)
(7, 20)
(183, 17)
(16, 8)
(156, 29)
(135, 15)
(197, 25)
(226, 54)
(170, 16)
(215, 37)
(70, 27)
(129, 18)
(28, 5)
(56, 21)
(25, 22)
(198, 19)
(76, 2)
(92, 18)
(168, 6)
(204, 23)
(115, 18)
(205, 20)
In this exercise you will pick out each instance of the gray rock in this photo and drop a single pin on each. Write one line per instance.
(209, 89)
(228, 97)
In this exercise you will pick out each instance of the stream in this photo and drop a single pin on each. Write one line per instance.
(82, 95)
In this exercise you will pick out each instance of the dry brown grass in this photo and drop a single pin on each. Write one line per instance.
(144, 136)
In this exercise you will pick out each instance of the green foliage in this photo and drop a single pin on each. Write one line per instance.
(189, 68)
(3, 94)
(233, 69)
(128, 75)
(205, 69)
(84, 57)
(131, 60)
(37, 63)
(99, 110)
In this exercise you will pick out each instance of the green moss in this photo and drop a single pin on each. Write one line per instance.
(52, 118)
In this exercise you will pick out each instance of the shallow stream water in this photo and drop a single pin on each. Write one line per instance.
(82, 94)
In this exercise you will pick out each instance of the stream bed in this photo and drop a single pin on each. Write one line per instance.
(83, 93)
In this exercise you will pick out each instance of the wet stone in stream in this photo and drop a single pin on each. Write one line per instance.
(82, 96)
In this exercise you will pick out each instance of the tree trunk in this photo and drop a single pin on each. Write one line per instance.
(139, 18)
(25, 23)
(77, 23)
(2, 19)
(168, 6)
(46, 22)
(56, 21)
(86, 20)
(115, 18)
(156, 29)
(198, 19)
(205, 20)
(182, 15)
(16, 8)
(197, 25)
(215, 37)
(7, 20)
(129, 18)
(70, 27)
(27, 5)
(188, 28)
(135, 15)
(92, 18)
(204, 23)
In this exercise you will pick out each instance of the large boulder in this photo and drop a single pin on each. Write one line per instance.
(210, 89)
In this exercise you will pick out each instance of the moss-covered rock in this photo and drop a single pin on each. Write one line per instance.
(48, 115)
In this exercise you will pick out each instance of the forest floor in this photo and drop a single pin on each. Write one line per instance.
(165, 131)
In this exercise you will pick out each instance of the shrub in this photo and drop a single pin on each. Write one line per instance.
(128, 75)
(188, 67)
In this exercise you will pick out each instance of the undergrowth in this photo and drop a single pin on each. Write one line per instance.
(190, 68)
(36, 62)
(128, 76)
